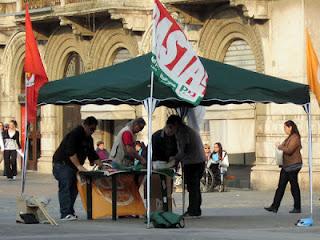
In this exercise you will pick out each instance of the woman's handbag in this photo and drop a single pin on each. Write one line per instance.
(279, 156)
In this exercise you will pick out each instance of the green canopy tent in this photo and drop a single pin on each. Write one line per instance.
(129, 83)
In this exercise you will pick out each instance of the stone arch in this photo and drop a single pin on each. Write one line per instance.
(222, 28)
(225, 26)
(146, 40)
(12, 62)
(59, 46)
(107, 41)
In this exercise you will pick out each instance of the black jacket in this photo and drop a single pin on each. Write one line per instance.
(75, 142)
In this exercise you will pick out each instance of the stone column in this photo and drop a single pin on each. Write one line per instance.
(19, 5)
(49, 138)
(285, 56)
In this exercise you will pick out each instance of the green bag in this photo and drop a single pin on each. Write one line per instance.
(166, 220)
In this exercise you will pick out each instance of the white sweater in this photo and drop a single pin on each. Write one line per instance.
(1, 142)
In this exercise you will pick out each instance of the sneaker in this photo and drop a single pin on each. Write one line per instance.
(69, 217)
(14, 178)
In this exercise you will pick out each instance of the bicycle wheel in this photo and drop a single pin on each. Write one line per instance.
(207, 181)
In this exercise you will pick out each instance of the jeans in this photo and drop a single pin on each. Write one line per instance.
(193, 174)
(286, 177)
(10, 163)
(68, 191)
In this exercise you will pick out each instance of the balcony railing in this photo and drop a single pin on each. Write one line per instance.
(33, 4)
(76, 1)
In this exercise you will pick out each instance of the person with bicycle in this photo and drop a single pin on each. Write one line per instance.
(218, 163)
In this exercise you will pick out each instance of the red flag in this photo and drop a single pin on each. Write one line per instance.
(34, 71)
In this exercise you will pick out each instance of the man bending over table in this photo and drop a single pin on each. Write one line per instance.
(123, 151)
(68, 159)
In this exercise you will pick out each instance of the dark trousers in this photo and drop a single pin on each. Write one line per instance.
(10, 163)
(193, 174)
(286, 177)
(68, 191)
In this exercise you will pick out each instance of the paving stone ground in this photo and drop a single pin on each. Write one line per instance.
(236, 214)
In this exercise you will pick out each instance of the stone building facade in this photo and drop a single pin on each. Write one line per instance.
(77, 36)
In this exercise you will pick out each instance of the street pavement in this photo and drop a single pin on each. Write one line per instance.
(236, 214)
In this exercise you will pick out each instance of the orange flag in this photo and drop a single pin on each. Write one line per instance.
(313, 68)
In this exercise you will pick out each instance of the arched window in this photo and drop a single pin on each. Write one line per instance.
(71, 113)
(74, 65)
(121, 55)
(239, 54)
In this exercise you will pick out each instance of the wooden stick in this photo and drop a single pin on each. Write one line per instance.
(45, 213)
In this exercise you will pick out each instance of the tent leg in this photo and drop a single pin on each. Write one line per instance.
(150, 105)
(308, 222)
(149, 168)
(308, 107)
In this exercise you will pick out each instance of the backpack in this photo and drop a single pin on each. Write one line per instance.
(167, 220)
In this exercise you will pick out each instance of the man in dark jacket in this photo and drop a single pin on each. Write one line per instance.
(191, 155)
(68, 159)
(164, 144)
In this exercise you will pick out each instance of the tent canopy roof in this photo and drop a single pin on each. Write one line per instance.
(129, 83)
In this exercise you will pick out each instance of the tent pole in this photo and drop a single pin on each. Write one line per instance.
(149, 161)
(308, 107)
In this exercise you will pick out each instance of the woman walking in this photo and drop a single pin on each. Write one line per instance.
(11, 144)
(292, 163)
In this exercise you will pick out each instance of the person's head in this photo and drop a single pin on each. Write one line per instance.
(100, 145)
(206, 148)
(290, 128)
(138, 146)
(172, 124)
(217, 148)
(137, 125)
(90, 125)
(13, 125)
(1, 126)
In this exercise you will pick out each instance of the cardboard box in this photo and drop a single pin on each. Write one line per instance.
(156, 201)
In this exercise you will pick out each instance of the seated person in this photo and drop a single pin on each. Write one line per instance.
(101, 151)
(123, 151)
(218, 162)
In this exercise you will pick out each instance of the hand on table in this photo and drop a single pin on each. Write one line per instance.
(98, 162)
(81, 168)
(143, 161)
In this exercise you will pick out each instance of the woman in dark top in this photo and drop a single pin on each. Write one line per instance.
(11, 144)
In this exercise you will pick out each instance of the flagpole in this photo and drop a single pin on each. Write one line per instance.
(26, 144)
(308, 107)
